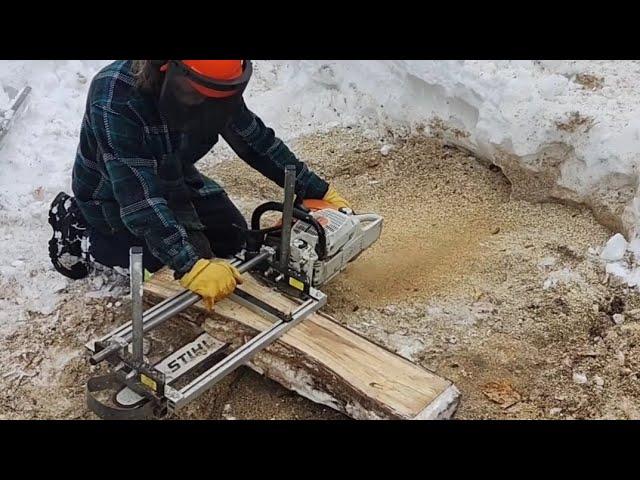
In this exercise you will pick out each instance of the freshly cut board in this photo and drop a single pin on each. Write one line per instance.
(324, 361)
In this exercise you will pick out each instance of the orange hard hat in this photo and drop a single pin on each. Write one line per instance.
(216, 69)
(203, 72)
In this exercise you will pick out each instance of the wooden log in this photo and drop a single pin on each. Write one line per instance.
(325, 361)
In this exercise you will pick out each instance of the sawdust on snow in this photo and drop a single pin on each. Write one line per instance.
(466, 281)
(500, 296)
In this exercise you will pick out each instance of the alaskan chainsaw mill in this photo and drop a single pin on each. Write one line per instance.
(308, 247)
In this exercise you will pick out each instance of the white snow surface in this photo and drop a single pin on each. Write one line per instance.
(506, 112)
(614, 249)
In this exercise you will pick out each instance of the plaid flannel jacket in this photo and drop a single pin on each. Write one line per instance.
(131, 171)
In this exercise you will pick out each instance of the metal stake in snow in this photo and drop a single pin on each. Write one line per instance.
(8, 116)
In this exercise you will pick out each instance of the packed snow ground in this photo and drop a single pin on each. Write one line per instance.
(559, 129)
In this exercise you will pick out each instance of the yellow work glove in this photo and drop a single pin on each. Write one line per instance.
(335, 199)
(213, 280)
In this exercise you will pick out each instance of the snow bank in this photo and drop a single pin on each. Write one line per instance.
(560, 130)
(36, 158)
(567, 130)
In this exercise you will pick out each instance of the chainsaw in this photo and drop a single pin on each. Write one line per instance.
(311, 244)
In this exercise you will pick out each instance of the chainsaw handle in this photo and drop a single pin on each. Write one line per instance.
(321, 247)
(371, 219)
(371, 225)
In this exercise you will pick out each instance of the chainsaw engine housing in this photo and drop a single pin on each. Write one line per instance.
(347, 235)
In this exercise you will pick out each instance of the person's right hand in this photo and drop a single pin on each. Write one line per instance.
(334, 198)
(213, 280)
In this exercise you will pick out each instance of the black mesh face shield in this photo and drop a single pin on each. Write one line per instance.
(192, 102)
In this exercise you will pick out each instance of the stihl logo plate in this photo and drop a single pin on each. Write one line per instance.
(189, 356)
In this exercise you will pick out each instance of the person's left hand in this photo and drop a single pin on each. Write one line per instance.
(334, 198)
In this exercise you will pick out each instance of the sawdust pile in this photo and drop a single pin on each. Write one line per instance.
(480, 288)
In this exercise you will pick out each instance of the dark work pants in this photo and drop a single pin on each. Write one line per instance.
(217, 213)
